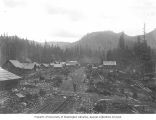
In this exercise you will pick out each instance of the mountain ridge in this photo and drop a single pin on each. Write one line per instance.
(106, 40)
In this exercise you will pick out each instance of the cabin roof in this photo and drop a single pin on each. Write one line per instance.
(45, 65)
(72, 63)
(76, 62)
(58, 65)
(18, 64)
(6, 75)
(28, 65)
(20, 95)
(109, 63)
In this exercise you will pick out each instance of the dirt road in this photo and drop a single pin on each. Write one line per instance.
(78, 77)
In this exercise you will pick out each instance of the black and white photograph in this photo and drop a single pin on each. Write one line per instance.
(77, 57)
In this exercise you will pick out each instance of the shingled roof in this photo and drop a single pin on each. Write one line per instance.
(18, 64)
(58, 65)
(5, 75)
(109, 63)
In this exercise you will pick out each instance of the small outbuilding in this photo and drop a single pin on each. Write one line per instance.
(109, 65)
(72, 63)
(44, 66)
(58, 66)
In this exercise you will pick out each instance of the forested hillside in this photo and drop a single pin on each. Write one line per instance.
(107, 40)
(13, 47)
(118, 48)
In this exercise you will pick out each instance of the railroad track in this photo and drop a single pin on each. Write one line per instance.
(63, 107)
(49, 104)
(57, 106)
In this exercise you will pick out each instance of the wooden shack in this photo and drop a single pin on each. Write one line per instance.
(8, 80)
(19, 68)
(109, 65)
(72, 64)
(44, 66)
(58, 66)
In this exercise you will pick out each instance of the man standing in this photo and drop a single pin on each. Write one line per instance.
(74, 87)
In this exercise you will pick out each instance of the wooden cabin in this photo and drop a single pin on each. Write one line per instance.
(19, 68)
(44, 66)
(109, 65)
(72, 64)
(58, 66)
(8, 80)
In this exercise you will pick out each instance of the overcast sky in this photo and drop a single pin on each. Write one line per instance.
(69, 20)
